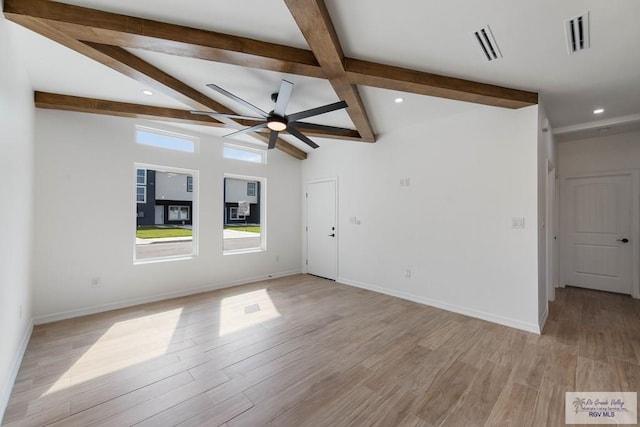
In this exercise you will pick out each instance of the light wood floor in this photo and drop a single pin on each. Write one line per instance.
(305, 351)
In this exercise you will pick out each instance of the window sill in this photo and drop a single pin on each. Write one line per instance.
(243, 251)
(163, 259)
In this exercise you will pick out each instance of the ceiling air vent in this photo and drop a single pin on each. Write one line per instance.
(577, 31)
(488, 43)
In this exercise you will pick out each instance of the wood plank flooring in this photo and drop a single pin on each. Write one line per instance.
(303, 351)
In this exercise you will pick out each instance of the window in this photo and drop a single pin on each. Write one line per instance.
(141, 176)
(141, 186)
(252, 155)
(243, 213)
(251, 188)
(178, 213)
(165, 213)
(141, 194)
(233, 214)
(163, 139)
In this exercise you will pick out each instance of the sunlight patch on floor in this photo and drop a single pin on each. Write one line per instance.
(124, 344)
(245, 310)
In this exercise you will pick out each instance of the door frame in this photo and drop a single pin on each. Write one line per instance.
(549, 230)
(305, 225)
(635, 222)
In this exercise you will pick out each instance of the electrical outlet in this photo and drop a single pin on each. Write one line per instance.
(407, 182)
(407, 273)
(96, 282)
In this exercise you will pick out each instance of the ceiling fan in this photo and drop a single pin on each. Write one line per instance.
(277, 120)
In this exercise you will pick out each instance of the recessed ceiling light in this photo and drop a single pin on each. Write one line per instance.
(147, 92)
(398, 100)
(598, 111)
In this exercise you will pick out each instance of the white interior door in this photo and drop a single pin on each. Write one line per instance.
(322, 236)
(596, 223)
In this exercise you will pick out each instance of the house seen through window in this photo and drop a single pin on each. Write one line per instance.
(242, 213)
(164, 213)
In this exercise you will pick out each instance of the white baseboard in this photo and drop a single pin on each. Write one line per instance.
(48, 318)
(543, 318)
(513, 323)
(15, 367)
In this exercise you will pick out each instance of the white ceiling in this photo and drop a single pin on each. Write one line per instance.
(431, 36)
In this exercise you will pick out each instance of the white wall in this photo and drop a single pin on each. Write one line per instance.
(469, 175)
(16, 213)
(601, 154)
(85, 216)
(172, 186)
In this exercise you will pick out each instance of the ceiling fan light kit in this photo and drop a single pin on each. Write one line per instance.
(277, 120)
(276, 123)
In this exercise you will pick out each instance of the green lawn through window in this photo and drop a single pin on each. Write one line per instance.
(160, 232)
(248, 228)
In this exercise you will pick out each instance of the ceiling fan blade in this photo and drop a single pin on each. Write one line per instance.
(230, 116)
(237, 99)
(317, 111)
(247, 130)
(301, 137)
(284, 94)
(273, 138)
(313, 126)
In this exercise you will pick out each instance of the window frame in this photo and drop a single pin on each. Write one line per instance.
(263, 214)
(193, 213)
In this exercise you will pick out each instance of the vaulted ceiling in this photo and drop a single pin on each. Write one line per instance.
(98, 55)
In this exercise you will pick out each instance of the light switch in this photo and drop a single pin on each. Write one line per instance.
(517, 222)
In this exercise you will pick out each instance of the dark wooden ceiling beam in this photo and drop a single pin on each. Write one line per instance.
(125, 31)
(140, 70)
(100, 27)
(411, 81)
(79, 104)
(315, 23)
(148, 112)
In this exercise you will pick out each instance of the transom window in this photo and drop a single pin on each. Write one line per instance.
(245, 154)
(163, 139)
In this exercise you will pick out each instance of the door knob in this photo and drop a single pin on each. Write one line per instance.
(332, 235)
(625, 240)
